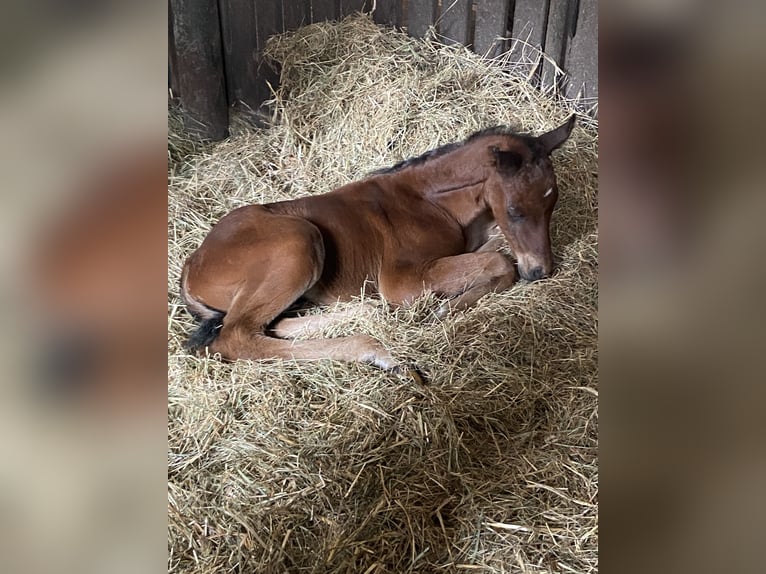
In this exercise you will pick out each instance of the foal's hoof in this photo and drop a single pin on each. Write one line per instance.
(438, 315)
(443, 312)
(409, 371)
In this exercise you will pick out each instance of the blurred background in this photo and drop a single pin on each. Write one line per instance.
(681, 234)
(83, 101)
(83, 182)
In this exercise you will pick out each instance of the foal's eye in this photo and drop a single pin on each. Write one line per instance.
(516, 217)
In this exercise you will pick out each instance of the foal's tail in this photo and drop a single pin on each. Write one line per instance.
(211, 320)
(205, 333)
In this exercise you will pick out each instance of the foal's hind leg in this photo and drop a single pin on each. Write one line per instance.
(312, 325)
(359, 348)
(242, 343)
(243, 333)
(253, 266)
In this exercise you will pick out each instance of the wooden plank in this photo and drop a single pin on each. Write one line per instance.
(491, 24)
(529, 18)
(268, 22)
(582, 52)
(556, 37)
(295, 13)
(200, 67)
(238, 28)
(388, 12)
(348, 7)
(172, 60)
(324, 10)
(455, 21)
(420, 15)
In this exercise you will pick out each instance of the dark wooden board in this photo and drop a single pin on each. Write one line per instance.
(172, 61)
(268, 22)
(556, 37)
(491, 24)
(582, 53)
(455, 20)
(348, 7)
(388, 12)
(296, 13)
(199, 68)
(420, 15)
(529, 17)
(324, 10)
(238, 31)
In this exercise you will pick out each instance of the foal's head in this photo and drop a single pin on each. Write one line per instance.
(522, 192)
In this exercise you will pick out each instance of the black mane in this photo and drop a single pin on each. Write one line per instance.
(445, 149)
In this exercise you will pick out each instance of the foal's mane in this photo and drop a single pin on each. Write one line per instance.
(445, 149)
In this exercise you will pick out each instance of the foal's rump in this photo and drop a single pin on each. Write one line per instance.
(251, 254)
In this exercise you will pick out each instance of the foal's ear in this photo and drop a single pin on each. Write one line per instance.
(554, 138)
(507, 162)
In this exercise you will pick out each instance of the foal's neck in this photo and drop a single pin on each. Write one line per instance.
(456, 169)
(455, 181)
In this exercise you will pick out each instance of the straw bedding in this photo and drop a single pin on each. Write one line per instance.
(491, 465)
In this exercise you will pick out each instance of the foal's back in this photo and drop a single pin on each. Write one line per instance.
(369, 225)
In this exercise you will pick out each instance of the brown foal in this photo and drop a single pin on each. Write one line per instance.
(421, 225)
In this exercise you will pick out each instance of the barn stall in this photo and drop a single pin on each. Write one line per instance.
(489, 466)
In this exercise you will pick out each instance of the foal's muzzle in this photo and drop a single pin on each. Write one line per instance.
(533, 274)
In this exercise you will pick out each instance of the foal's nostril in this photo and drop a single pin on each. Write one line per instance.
(535, 273)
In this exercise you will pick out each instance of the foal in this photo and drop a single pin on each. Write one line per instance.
(421, 225)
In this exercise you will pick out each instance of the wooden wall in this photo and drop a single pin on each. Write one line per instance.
(215, 48)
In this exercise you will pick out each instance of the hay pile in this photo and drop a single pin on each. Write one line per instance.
(330, 467)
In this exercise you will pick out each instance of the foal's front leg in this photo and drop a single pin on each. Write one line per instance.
(468, 277)
(464, 278)
(492, 244)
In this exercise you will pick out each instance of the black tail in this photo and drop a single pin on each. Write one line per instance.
(206, 332)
